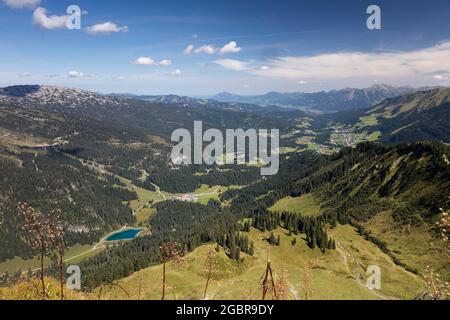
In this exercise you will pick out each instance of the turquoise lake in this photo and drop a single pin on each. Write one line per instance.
(128, 234)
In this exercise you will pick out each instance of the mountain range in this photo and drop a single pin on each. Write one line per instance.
(324, 101)
(418, 116)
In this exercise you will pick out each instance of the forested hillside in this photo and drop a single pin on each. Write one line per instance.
(90, 204)
(354, 186)
(61, 147)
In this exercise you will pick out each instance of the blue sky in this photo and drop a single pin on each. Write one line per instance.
(245, 46)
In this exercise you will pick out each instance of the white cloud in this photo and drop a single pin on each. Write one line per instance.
(440, 77)
(75, 74)
(194, 36)
(106, 28)
(407, 65)
(189, 49)
(208, 49)
(42, 20)
(177, 73)
(19, 4)
(230, 48)
(145, 61)
(302, 82)
(165, 62)
(265, 68)
(231, 64)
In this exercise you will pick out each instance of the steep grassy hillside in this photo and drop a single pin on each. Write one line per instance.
(304, 273)
(420, 116)
(305, 205)
(410, 182)
(412, 103)
(29, 290)
(417, 116)
(396, 197)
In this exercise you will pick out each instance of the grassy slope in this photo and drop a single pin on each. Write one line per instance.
(144, 196)
(31, 291)
(305, 205)
(71, 256)
(206, 193)
(412, 245)
(333, 275)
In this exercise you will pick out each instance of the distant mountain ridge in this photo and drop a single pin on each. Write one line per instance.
(159, 114)
(423, 115)
(185, 101)
(82, 102)
(416, 102)
(52, 95)
(324, 101)
(418, 116)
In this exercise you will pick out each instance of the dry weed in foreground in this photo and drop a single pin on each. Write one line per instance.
(211, 267)
(444, 226)
(437, 288)
(170, 252)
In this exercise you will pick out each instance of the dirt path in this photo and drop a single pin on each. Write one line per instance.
(293, 291)
(158, 189)
(357, 278)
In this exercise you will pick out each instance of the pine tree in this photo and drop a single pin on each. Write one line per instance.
(245, 242)
(251, 250)
(313, 242)
(238, 255)
(330, 244)
(233, 252)
(272, 240)
(323, 243)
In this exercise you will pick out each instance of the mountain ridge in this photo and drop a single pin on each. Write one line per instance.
(324, 101)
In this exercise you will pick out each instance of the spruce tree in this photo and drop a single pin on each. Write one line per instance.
(330, 244)
(313, 242)
(233, 252)
(251, 250)
(272, 239)
(323, 243)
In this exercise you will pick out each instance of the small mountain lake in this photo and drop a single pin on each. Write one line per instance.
(128, 234)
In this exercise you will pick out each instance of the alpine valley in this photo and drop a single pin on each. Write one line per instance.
(364, 180)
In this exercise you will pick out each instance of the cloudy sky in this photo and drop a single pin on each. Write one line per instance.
(201, 47)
